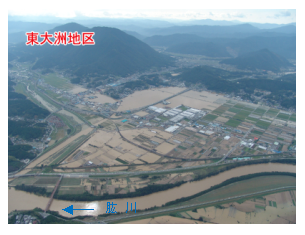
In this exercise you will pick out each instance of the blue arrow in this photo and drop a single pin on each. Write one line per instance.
(70, 209)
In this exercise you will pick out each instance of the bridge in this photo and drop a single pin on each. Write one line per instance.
(51, 198)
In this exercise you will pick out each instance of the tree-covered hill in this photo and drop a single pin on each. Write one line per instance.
(262, 60)
(114, 52)
(199, 48)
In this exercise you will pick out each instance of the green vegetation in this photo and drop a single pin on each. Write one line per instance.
(183, 108)
(209, 117)
(257, 132)
(283, 116)
(55, 81)
(259, 207)
(234, 110)
(262, 124)
(33, 189)
(14, 164)
(240, 116)
(26, 109)
(163, 118)
(292, 117)
(233, 123)
(181, 147)
(259, 111)
(121, 161)
(200, 48)
(25, 130)
(217, 80)
(262, 59)
(20, 151)
(123, 55)
(272, 112)
(220, 110)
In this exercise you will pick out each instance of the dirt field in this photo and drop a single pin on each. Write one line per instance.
(150, 157)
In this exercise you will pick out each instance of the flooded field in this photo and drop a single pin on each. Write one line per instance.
(198, 100)
(278, 208)
(102, 99)
(77, 89)
(109, 148)
(146, 97)
(30, 201)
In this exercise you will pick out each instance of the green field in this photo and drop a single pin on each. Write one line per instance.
(240, 116)
(283, 116)
(253, 120)
(70, 182)
(70, 190)
(257, 132)
(163, 118)
(181, 147)
(46, 180)
(183, 108)
(260, 207)
(272, 112)
(241, 106)
(293, 117)
(54, 80)
(263, 124)
(121, 161)
(259, 111)
(234, 110)
(232, 123)
(209, 117)
(220, 110)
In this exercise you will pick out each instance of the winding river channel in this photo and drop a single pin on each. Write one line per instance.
(19, 200)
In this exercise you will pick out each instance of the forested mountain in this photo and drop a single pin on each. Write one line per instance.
(114, 52)
(199, 48)
(282, 91)
(262, 60)
(134, 34)
(240, 30)
(279, 43)
(19, 105)
(173, 39)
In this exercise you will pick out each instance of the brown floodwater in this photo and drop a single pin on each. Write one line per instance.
(19, 200)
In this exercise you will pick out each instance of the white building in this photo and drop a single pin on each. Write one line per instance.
(172, 128)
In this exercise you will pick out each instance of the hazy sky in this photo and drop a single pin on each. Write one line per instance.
(72, 9)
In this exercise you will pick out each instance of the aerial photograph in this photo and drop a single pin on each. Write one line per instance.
(156, 116)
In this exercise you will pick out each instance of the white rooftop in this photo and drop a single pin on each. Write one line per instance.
(172, 128)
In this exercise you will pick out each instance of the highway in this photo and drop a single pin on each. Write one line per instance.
(119, 173)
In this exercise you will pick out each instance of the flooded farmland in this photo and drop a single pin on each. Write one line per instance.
(146, 97)
(19, 200)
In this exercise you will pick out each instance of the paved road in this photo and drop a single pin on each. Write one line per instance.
(118, 173)
(189, 206)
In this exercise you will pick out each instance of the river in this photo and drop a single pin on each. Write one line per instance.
(19, 200)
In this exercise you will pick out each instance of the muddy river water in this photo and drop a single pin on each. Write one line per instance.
(19, 200)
